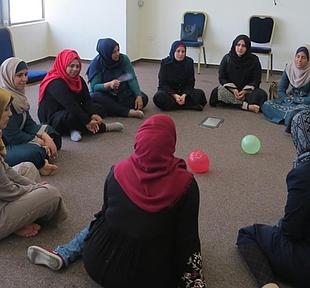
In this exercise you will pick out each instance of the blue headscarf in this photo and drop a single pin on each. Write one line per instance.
(300, 131)
(170, 59)
(181, 69)
(105, 48)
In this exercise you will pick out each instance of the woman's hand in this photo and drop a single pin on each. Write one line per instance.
(114, 84)
(97, 118)
(93, 126)
(178, 99)
(182, 99)
(49, 142)
(138, 103)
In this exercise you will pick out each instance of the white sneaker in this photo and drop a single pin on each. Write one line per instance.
(270, 285)
(40, 256)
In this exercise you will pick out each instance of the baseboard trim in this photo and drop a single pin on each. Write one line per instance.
(144, 60)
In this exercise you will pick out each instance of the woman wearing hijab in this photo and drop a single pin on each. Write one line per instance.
(25, 201)
(240, 75)
(297, 76)
(26, 140)
(113, 82)
(176, 82)
(65, 103)
(158, 245)
(284, 250)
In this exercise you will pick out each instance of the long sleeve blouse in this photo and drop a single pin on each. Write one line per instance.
(59, 97)
(300, 95)
(296, 221)
(252, 76)
(108, 74)
(21, 129)
(12, 184)
(172, 84)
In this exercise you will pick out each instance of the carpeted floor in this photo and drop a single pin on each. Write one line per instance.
(238, 190)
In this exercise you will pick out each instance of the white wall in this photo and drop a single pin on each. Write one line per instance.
(148, 31)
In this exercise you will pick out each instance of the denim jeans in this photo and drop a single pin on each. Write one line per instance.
(73, 249)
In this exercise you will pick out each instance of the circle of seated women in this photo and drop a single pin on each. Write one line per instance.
(240, 76)
(176, 82)
(293, 90)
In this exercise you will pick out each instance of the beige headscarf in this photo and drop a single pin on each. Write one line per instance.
(298, 77)
(7, 75)
(5, 99)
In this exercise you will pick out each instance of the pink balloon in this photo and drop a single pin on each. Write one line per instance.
(198, 161)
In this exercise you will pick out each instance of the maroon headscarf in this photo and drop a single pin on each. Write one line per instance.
(153, 178)
(62, 61)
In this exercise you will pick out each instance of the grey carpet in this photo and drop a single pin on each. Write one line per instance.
(238, 190)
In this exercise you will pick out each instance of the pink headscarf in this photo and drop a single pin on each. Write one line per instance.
(153, 178)
(62, 61)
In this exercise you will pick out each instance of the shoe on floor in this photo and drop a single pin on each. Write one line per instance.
(40, 256)
(270, 285)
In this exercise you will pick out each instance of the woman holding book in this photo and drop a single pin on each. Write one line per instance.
(240, 76)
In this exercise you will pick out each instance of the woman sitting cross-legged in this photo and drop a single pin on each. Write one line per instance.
(176, 82)
(113, 82)
(146, 234)
(283, 251)
(25, 201)
(296, 98)
(26, 140)
(65, 103)
(240, 75)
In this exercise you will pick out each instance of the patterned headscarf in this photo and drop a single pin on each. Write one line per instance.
(299, 77)
(300, 131)
(5, 99)
(7, 76)
(59, 70)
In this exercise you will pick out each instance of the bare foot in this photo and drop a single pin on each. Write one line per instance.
(136, 113)
(28, 230)
(254, 108)
(48, 169)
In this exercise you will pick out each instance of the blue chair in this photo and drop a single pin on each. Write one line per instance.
(7, 51)
(200, 19)
(261, 30)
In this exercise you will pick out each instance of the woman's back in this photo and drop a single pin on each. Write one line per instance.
(135, 248)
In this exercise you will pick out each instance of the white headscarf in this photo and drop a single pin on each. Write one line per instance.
(7, 75)
(298, 77)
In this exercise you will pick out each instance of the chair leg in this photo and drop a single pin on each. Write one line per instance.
(268, 65)
(199, 52)
(204, 56)
(271, 64)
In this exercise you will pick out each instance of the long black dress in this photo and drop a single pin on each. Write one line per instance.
(129, 247)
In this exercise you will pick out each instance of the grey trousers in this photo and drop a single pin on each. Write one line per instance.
(43, 204)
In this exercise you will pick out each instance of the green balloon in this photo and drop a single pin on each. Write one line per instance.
(250, 144)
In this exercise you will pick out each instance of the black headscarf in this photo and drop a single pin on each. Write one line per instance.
(239, 66)
(182, 68)
(105, 48)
